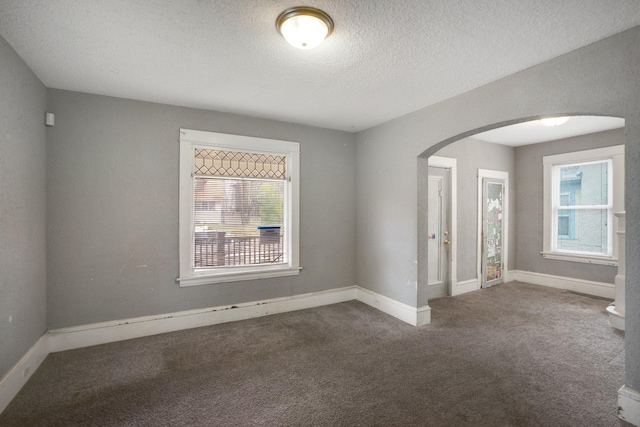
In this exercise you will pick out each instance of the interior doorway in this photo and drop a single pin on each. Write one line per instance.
(493, 196)
(440, 227)
(438, 231)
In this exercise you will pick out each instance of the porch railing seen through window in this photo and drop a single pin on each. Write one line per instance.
(216, 249)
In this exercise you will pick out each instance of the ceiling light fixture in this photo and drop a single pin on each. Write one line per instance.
(554, 121)
(304, 27)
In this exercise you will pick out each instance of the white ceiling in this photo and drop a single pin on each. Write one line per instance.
(384, 59)
(534, 132)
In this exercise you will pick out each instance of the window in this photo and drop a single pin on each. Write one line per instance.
(582, 191)
(238, 208)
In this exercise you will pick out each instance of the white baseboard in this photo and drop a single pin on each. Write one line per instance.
(629, 405)
(509, 276)
(600, 289)
(124, 329)
(18, 376)
(423, 316)
(616, 318)
(406, 313)
(106, 332)
(465, 286)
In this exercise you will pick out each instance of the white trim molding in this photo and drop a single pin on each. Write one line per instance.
(466, 286)
(629, 405)
(586, 259)
(616, 318)
(118, 330)
(509, 276)
(600, 289)
(197, 280)
(18, 376)
(617, 309)
(412, 315)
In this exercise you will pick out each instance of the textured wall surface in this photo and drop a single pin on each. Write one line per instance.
(602, 78)
(529, 207)
(112, 209)
(23, 308)
(472, 155)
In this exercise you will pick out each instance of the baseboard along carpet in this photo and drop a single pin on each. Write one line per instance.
(512, 355)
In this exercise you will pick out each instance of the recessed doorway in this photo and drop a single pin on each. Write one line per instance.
(441, 226)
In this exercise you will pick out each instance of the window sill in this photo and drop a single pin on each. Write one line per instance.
(587, 259)
(237, 276)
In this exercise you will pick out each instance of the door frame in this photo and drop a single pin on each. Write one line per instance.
(504, 176)
(451, 164)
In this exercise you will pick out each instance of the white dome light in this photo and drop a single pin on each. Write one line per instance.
(304, 27)
(554, 121)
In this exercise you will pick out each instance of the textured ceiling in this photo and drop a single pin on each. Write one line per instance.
(534, 132)
(384, 59)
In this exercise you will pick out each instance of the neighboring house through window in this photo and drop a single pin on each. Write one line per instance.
(582, 191)
(238, 208)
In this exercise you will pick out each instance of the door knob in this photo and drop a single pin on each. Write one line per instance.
(446, 242)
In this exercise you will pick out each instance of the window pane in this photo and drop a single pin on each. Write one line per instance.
(238, 164)
(238, 222)
(564, 224)
(587, 230)
(584, 184)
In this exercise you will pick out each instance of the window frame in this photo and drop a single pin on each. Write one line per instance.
(191, 139)
(551, 164)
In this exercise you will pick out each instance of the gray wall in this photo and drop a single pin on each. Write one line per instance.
(529, 206)
(112, 209)
(471, 155)
(22, 208)
(598, 79)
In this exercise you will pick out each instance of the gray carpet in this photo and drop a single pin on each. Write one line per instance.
(512, 355)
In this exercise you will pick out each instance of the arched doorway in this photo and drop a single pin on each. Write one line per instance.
(468, 198)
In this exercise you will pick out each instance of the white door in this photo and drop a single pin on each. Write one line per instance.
(439, 226)
(493, 197)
